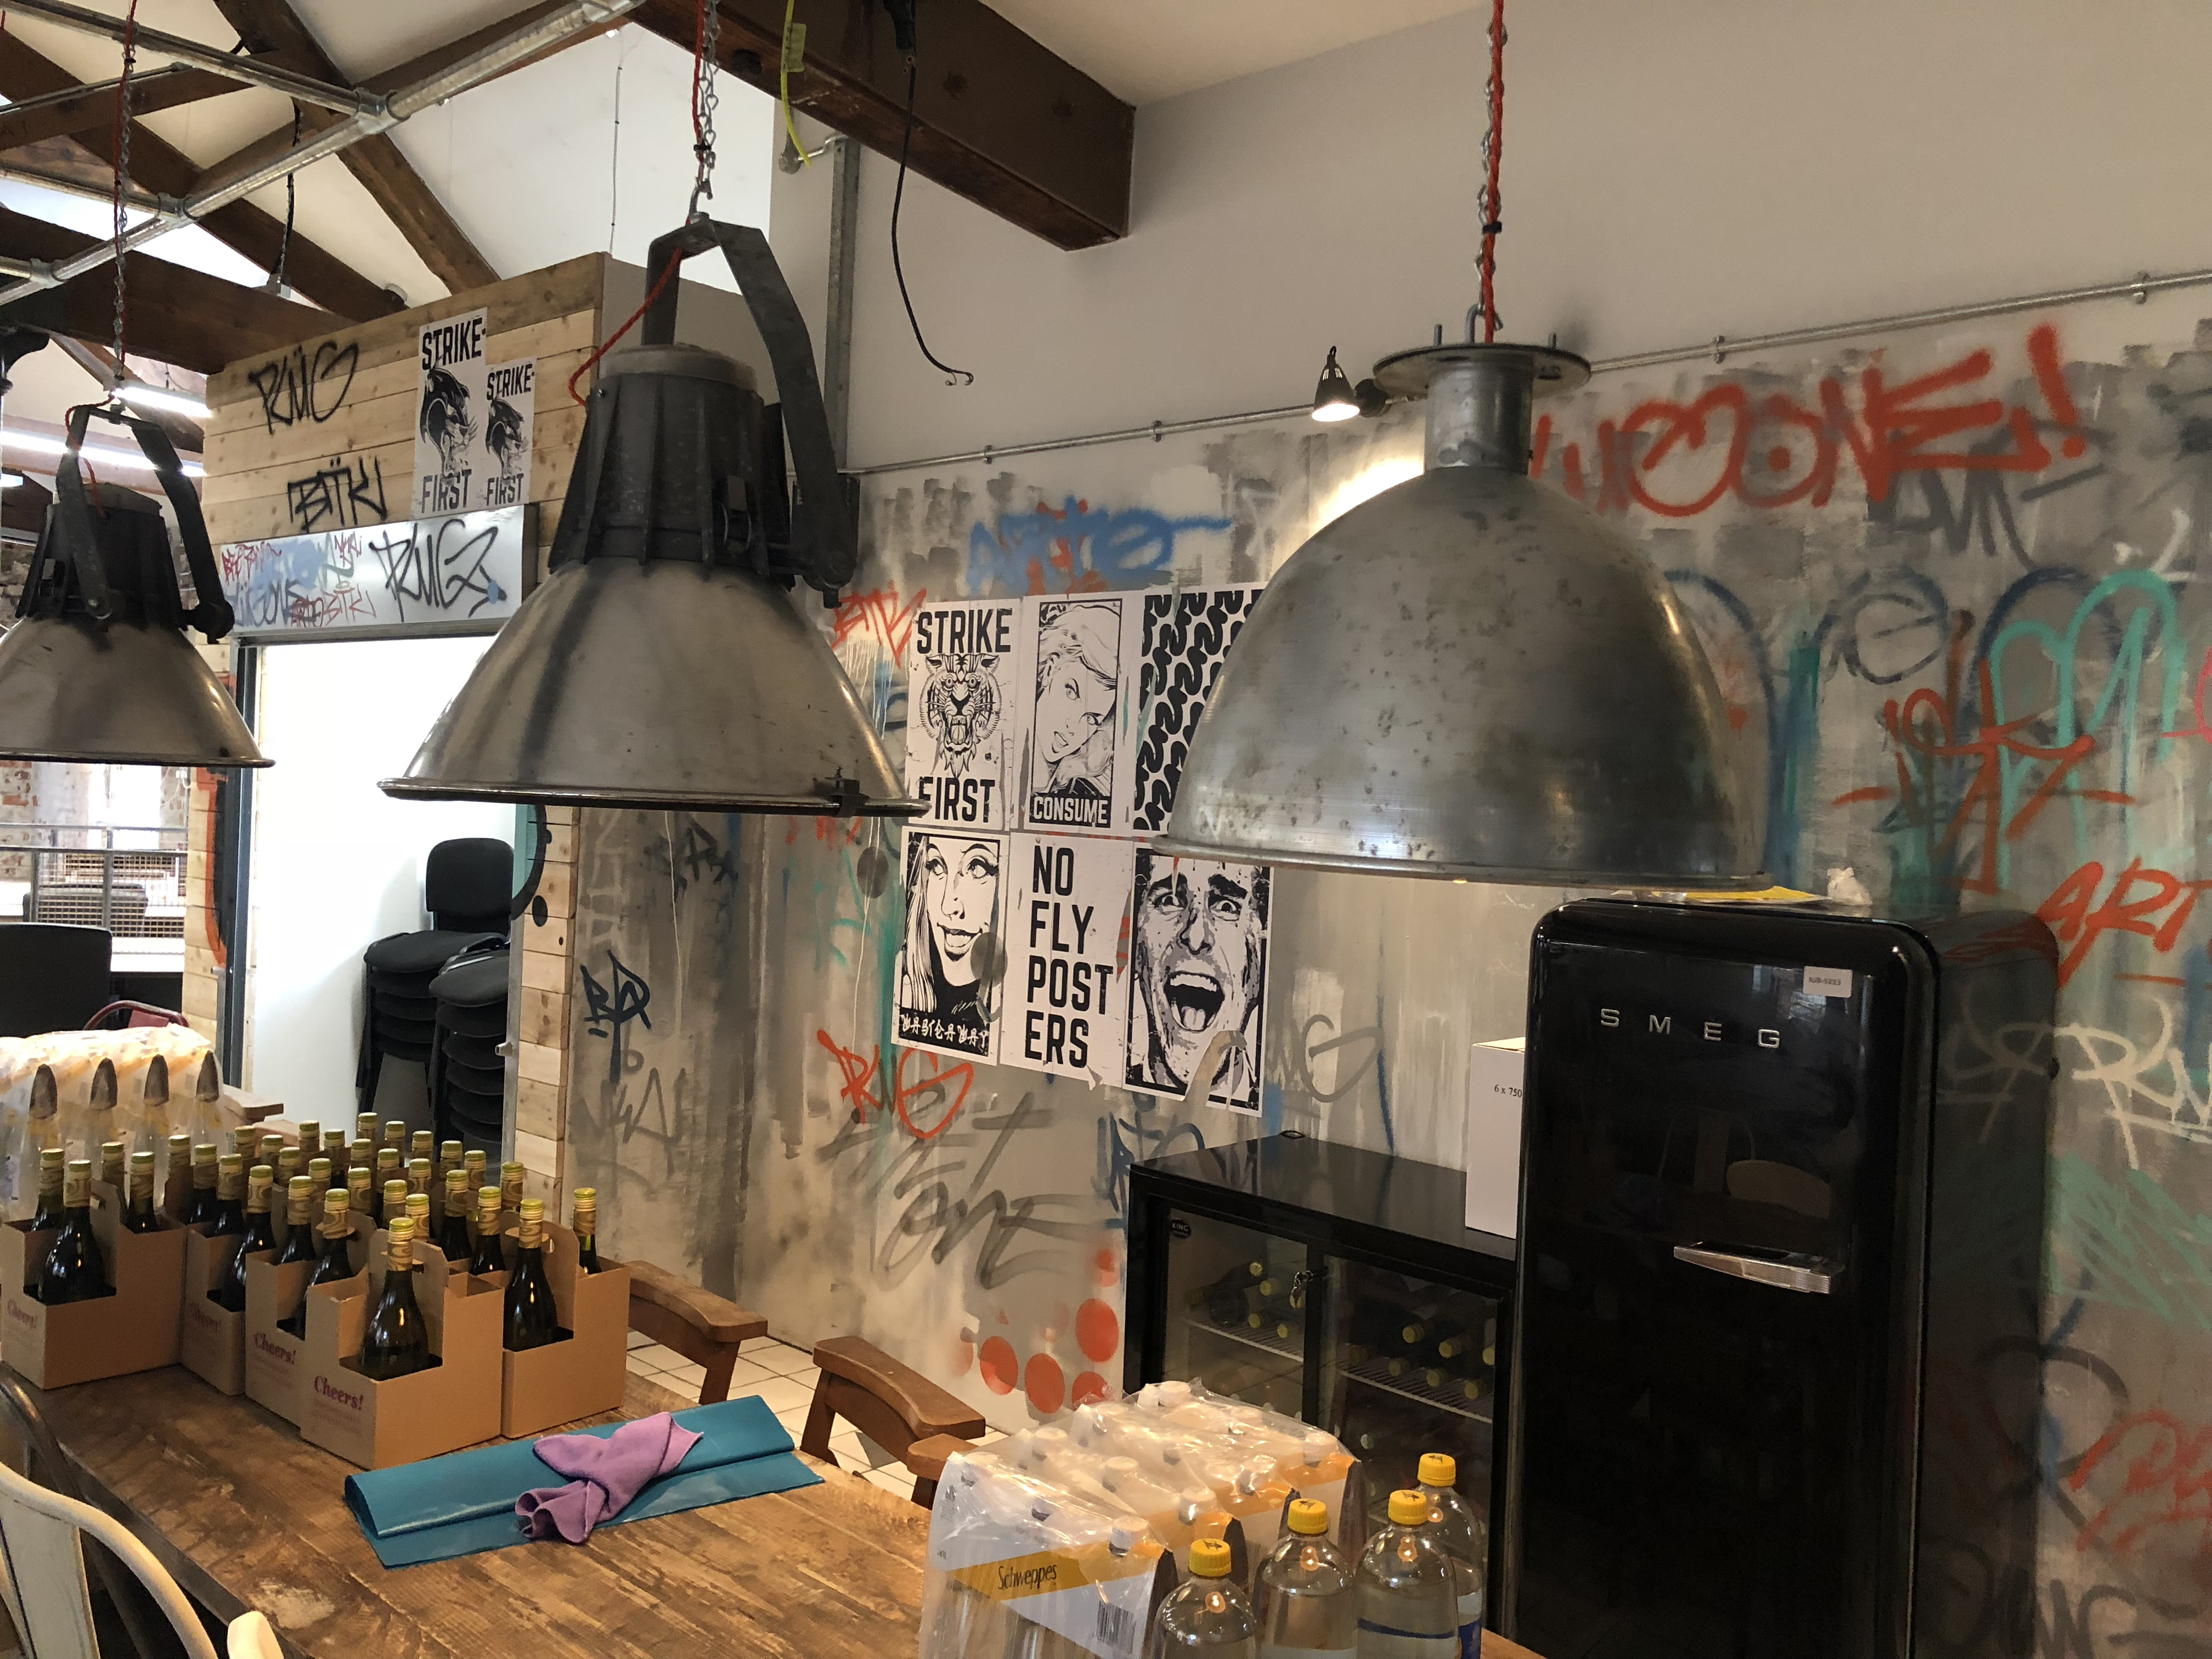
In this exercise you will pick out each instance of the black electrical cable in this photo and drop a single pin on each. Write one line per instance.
(956, 376)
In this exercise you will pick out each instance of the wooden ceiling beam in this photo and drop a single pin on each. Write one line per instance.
(998, 118)
(272, 26)
(160, 167)
(178, 315)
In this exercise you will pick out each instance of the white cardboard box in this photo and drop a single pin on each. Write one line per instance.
(1493, 1137)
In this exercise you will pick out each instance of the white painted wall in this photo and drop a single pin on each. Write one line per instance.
(1671, 173)
(337, 863)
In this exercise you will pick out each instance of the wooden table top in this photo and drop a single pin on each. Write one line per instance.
(245, 1514)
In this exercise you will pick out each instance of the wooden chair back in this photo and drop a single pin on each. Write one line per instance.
(894, 1405)
(39, 1537)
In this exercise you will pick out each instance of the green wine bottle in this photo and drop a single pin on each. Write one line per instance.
(422, 1143)
(530, 1320)
(361, 1193)
(111, 1163)
(52, 1175)
(388, 1167)
(584, 1220)
(73, 1271)
(396, 1342)
(453, 1232)
(418, 1175)
(489, 1257)
(366, 1126)
(176, 1178)
(331, 1266)
(449, 1159)
(395, 1201)
(207, 1184)
(229, 1218)
(259, 1233)
(138, 1214)
(510, 1188)
(299, 1224)
(310, 1143)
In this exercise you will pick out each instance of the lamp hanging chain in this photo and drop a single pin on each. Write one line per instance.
(1494, 144)
(120, 148)
(705, 57)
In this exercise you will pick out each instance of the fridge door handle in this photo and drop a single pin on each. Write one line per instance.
(1808, 1273)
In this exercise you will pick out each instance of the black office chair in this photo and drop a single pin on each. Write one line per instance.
(53, 976)
(468, 1092)
(466, 888)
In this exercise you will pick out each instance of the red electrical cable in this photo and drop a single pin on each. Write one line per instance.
(1487, 263)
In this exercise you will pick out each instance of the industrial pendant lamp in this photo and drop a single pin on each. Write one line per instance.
(662, 663)
(1470, 675)
(97, 666)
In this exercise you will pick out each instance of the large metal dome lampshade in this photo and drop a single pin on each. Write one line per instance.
(97, 667)
(1471, 676)
(662, 663)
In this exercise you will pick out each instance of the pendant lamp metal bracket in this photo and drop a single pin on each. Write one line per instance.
(75, 552)
(814, 537)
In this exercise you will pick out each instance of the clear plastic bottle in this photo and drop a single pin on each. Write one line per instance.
(1465, 1538)
(1304, 1594)
(1208, 1614)
(1408, 1601)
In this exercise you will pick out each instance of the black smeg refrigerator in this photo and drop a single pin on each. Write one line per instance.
(1781, 1223)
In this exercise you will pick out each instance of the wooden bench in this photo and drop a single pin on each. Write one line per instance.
(894, 1405)
(705, 1328)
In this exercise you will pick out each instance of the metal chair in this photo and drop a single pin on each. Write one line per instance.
(894, 1405)
(53, 976)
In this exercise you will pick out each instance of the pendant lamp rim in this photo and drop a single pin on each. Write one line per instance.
(1552, 372)
(647, 801)
(1670, 881)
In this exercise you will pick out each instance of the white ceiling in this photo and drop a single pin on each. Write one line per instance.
(1142, 51)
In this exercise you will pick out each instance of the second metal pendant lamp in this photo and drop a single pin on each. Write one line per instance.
(1469, 675)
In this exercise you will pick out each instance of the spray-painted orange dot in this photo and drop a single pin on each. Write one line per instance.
(1088, 1386)
(1001, 1368)
(1778, 458)
(1105, 1264)
(2073, 445)
(963, 1354)
(1097, 1332)
(1048, 1384)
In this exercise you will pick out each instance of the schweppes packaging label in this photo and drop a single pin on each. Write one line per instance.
(1001, 1552)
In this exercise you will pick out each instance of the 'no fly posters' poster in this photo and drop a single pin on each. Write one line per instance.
(1074, 951)
(474, 420)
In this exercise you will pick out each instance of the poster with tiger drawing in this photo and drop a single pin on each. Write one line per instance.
(966, 706)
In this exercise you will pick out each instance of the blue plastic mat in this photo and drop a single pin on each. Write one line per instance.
(463, 1503)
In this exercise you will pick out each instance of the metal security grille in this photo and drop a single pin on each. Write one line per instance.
(78, 873)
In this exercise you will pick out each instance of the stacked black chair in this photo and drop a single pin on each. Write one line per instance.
(466, 885)
(468, 1093)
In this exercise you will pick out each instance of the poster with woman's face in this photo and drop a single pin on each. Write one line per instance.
(1082, 767)
(1198, 965)
(953, 963)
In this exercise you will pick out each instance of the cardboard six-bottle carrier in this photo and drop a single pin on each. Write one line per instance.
(134, 1329)
(584, 1372)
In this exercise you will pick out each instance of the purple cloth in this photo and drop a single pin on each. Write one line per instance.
(605, 1474)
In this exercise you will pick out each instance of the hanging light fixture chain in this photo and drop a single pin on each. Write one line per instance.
(1494, 144)
(705, 58)
(121, 149)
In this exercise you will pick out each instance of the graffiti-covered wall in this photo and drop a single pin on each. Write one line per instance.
(1949, 585)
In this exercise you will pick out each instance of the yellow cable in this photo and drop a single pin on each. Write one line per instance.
(783, 71)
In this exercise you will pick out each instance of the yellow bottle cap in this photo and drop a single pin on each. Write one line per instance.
(1437, 1469)
(1209, 1558)
(1409, 1509)
(1309, 1515)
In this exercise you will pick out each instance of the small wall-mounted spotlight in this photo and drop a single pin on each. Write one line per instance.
(1335, 398)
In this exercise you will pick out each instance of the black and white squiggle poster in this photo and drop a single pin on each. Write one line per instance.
(1186, 634)
(1082, 747)
(952, 961)
(966, 709)
(1198, 965)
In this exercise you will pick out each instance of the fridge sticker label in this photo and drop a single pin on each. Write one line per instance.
(953, 963)
(1187, 636)
(1081, 763)
(966, 703)
(449, 415)
(1828, 981)
(1068, 985)
(1198, 966)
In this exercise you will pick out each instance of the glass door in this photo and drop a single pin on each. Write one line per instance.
(1237, 1312)
(1408, 1366)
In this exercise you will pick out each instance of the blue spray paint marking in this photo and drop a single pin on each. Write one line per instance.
(1025, 551)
